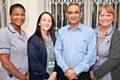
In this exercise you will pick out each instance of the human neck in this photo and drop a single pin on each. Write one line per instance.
(74, 26)
(17, 28)
(44, 34)
(103, 30)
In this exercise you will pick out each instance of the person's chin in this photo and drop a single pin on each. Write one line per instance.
(74, 22)
(19, 24)
(45, 29)
(107, 25)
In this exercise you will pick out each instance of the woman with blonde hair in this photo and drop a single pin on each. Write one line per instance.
(107, 66)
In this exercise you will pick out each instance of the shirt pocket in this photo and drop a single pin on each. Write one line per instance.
(82, 46)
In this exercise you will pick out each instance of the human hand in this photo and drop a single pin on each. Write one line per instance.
(52, 76)
(24, 77)
(92, 75)
(74, 77)
(70, 74)
(27, 77)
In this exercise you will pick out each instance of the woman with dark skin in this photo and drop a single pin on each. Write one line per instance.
(13, 45)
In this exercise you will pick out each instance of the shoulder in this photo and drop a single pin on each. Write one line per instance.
(87, 28)
(33, 39)
(116, 34)
(63, 29)
(4, 33)
(3, 30)
(115, 40)
(115, 44)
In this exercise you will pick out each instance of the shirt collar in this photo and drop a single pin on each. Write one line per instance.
(110, 30)
(107, 33)
(79, 27)
(11, 29)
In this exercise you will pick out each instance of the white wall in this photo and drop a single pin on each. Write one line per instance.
(33, 9)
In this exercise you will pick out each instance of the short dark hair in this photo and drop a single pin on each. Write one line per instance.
(17, 5)
(71, 4)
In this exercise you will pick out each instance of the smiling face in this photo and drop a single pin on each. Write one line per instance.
(45, 22)
(17, 16)
(73, 14)
(106, 16)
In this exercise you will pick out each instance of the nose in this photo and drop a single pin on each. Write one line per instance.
(21, 16)
(73, 14)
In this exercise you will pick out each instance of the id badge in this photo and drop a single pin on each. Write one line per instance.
(51, 64)
(97, 57)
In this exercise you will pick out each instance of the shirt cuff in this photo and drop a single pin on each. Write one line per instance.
(65, 68)
(77, 71)
(4, 50)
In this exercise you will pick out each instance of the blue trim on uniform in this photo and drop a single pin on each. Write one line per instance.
(4, 48)
(10, 30)
(110, 31)
(10, 75)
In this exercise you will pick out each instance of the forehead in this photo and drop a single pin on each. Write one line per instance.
(46, 16)
(18, 9)
(103, 11)
(73, 8)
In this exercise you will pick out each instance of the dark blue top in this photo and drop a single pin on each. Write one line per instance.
(37, 57)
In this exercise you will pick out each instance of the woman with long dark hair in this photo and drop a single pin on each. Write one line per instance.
(40, 49)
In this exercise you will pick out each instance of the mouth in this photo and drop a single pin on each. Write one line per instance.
(20, 21)
(73, 19)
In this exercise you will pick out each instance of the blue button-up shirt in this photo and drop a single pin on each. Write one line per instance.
(76, 49)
